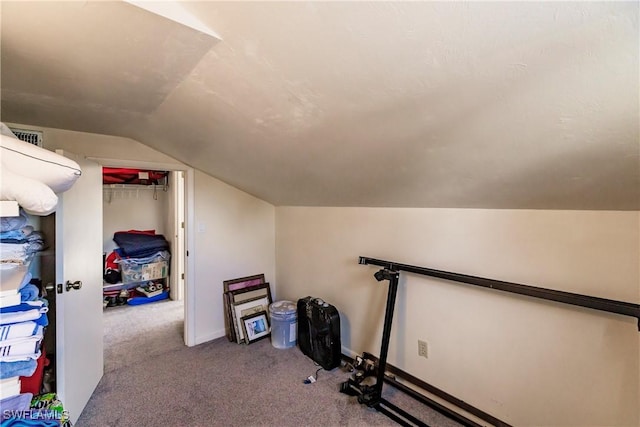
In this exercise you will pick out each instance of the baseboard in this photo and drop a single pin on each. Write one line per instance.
(348, 354)
(431, 390)
(209, 337)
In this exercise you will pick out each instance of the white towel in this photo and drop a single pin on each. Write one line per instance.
(10, 252)
(22, 316)
(21, 358)
(24, 347)
(19, 330)
(21, 340)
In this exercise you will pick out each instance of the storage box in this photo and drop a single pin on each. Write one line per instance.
(11, 276)
(132, 272)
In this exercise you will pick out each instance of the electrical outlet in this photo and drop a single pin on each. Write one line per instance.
(423, 349)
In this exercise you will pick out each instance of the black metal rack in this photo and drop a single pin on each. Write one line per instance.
(372, 395)
(602, 304)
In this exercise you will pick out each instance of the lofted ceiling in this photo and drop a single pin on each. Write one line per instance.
(525, 105)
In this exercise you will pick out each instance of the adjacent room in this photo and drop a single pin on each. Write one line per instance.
(459, 180)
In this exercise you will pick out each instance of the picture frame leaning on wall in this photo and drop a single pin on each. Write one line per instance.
(237, 290)
(256, 326)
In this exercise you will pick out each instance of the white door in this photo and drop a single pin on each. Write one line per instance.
(175, 234)
(79, 330)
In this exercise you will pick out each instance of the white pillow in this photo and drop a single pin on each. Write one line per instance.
(31, 161)
(34, 197)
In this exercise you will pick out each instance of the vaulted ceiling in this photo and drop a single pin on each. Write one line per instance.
(417, 104)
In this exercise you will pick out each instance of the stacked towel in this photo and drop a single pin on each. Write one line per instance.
(15, 236)
(15, 253)
(21, 333)
(20, 348)
(18, 368)
(18, 243)
(19, 330)
(26, 235)
(20, 402)
(11, 223)
(30, 310)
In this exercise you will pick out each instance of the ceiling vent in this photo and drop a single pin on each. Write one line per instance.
(31, 136)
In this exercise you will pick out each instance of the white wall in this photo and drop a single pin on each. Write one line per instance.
(235, 238)
(239, 229)
(133, 209)
(526, 361)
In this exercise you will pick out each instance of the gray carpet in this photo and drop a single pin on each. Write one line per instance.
(152, 379)
(138, 333)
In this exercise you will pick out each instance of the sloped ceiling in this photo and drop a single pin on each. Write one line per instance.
(417, 104)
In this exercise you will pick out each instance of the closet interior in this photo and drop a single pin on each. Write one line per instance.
(136, 221)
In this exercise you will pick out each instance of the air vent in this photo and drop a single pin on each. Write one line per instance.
(31, 136)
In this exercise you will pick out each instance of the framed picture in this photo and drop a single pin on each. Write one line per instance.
(239, 290)
(228, 318)
(232, 298)
(242, 282)
(256, 326)
(248, 308)
(250, 293)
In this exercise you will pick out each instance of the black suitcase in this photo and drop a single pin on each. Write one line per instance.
(319, 332)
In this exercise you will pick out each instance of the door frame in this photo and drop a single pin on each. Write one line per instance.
(189, 219)
(177, 213)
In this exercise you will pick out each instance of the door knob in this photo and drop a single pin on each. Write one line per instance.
(75, 285)
(49, 287)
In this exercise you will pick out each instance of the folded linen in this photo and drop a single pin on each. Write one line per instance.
(9, 223)
(20, 348)
(20, 402)
(21, 357)
(43, 320)
(29, 292)
(35, 242)
(40, 418)
(13, 252)
(19, 330)
(23, 312)
(140, 245)
(21, 316)
(18, 368)
(19, 342)
(27, 305)
(16, 236)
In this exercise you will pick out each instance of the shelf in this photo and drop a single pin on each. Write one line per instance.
(131, 187)
(9, 208)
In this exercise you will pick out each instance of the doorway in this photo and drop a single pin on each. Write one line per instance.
(175, 226)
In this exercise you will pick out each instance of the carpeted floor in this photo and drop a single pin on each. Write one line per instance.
(152, 379)
(133, 334)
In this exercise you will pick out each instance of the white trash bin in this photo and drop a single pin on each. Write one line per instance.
(284, 324)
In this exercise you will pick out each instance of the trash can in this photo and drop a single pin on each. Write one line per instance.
(284, 324)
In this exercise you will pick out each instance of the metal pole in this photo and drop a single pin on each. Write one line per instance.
(602, 304)
(393, 277)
